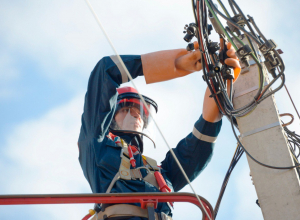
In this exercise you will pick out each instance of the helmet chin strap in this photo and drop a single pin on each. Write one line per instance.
(137, 134)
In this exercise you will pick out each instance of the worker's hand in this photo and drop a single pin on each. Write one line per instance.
(191, 61)
(233, 60)
(211, 111)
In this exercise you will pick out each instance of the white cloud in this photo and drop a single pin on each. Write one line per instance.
(41, 158)
(65, 41)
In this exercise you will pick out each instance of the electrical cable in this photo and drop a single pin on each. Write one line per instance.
(293, 143)
(259, 96)
(261, 82)
(223, 7)
(234, 24)
(237, 155)
(252, 46)
(203, 57)
(209, 5)
(244, 17)
(232, 7)
(251, 19)
(227, 111)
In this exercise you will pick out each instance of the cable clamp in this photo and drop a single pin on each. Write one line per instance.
(268, 46)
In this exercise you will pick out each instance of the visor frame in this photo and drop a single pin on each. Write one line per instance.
(136, 96)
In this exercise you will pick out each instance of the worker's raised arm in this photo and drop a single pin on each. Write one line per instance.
(101, 95)
(170, 64)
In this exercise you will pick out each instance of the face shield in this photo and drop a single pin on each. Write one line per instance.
(132, 115)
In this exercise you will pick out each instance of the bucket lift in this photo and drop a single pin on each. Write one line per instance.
(148, 201)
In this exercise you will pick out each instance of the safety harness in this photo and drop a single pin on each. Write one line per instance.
(154, 177)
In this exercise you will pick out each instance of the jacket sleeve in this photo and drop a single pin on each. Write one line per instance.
(101, 95)
(193, 152)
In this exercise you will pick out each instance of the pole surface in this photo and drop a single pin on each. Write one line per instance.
(278, 191)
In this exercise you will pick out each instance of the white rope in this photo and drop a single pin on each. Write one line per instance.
(141, 97)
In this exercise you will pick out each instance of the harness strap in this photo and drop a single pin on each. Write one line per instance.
(150, 178)
(125, 210)
(124, 169)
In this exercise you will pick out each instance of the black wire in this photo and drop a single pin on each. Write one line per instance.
(252, 46)
(249, 107)
(244, 17)
(232, 8)
(223, 7)
(294, 139)
(224, 101)
(205, 53)
(194, 12)
(281, 75)
(230, 89)
(256, 28)
(237, 155)
(223, 97)
(234, 24)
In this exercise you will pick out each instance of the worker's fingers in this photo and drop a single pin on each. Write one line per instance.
(189, 62)
(193, 56)
(229, 46)
(198, 66)
(232, 62)
(196, 45)
(236, 67)
(231, 53)
(196, 55)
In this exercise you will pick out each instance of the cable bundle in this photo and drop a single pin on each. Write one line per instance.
(215, 73)
(294, 144)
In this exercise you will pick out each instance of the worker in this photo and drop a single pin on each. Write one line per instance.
(113, 125)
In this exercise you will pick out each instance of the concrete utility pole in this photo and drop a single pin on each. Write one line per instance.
(263, 137)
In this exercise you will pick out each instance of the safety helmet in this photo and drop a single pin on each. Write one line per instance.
(128, 97)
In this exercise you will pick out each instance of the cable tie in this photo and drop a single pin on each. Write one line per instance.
(256, 130)
(215, 94)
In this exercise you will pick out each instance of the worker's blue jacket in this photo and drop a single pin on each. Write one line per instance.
(99, 156)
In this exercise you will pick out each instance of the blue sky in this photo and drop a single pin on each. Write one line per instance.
(48, 49)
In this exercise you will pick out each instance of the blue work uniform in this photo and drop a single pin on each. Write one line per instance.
(99, 156)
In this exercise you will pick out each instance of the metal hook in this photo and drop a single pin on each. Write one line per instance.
(287, 114)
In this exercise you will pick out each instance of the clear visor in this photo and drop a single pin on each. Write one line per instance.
(132, 115)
